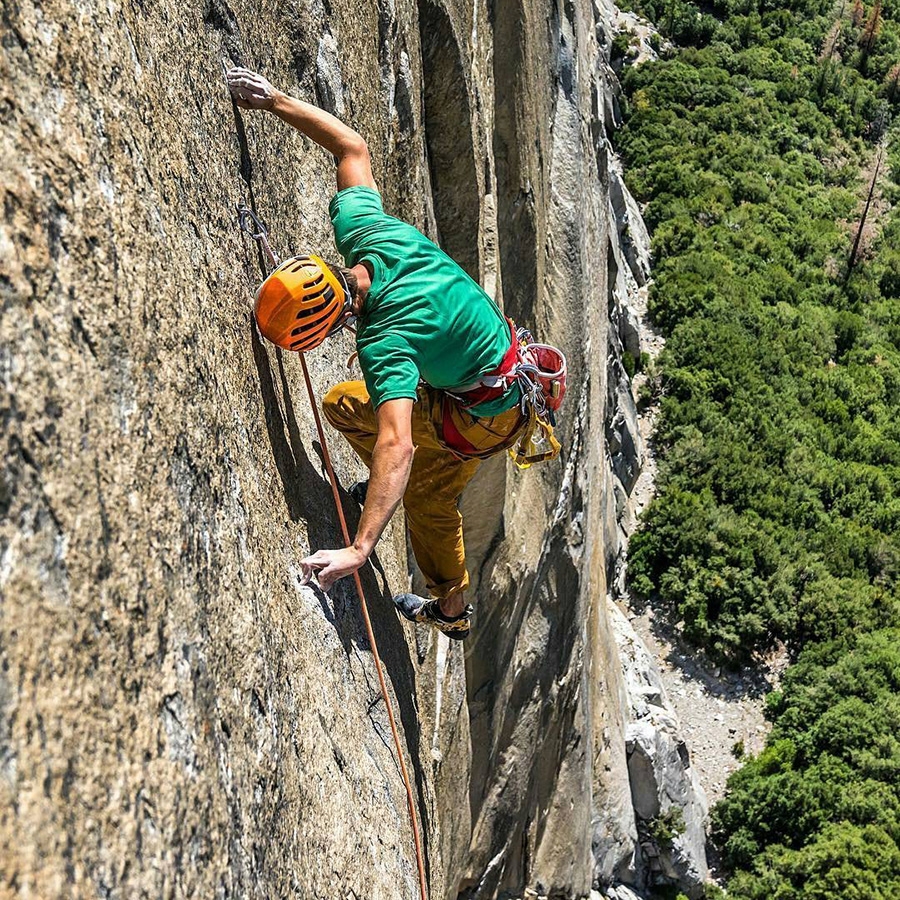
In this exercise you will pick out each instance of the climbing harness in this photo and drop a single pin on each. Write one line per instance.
(540, 372)
(250, 223)
(538, 369)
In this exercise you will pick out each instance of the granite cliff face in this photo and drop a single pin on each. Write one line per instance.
(178, 716)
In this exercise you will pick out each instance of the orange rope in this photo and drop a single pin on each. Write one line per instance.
(250, 223)
(368, 622)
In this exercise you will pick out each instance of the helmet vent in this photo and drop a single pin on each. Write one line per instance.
(308, 313)
(312, 338)
(322, 292)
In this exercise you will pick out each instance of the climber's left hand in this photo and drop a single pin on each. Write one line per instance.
(331, 565)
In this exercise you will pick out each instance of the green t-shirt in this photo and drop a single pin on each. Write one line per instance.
(423, 316)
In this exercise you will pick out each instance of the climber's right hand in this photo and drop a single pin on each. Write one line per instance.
(249, 89)
(329, 566)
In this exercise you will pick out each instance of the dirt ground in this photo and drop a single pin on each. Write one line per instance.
(721, 713)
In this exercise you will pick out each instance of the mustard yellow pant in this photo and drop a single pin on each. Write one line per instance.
(438, 475)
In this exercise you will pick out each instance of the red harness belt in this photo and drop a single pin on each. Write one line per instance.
(451, 434)
(483, 393)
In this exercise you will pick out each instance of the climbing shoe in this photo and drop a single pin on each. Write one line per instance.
(358, 491)
(428, 612)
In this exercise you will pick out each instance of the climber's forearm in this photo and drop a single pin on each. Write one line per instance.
(325, 129)
(251, 91)
(391, 464)
(354, 167)
(389, 475)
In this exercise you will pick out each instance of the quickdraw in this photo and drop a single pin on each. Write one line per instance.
(250, 223)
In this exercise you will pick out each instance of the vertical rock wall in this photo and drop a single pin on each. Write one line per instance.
(178, 716)
(542, 679)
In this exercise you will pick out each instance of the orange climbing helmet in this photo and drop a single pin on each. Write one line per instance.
(301, 303)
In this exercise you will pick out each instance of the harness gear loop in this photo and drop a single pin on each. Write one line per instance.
(259, 233)
(538, 369)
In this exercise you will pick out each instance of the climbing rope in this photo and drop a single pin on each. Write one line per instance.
(251, 224)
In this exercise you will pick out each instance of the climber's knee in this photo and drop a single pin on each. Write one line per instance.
(345, 405)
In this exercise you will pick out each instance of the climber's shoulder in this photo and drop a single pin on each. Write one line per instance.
(362, 228)
(358, 218)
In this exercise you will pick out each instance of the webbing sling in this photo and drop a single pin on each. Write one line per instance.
(250, 223)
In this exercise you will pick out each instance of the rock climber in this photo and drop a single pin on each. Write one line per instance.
(433, 348)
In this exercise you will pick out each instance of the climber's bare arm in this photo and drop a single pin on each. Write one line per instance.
(252, 91)
(342, 142)
(391, 463)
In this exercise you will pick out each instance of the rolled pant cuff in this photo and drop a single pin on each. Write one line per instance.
(448, 588)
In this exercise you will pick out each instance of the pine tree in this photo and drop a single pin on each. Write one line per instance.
(870, 32)
(830, 43)
(892, 82)
(858, 14)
